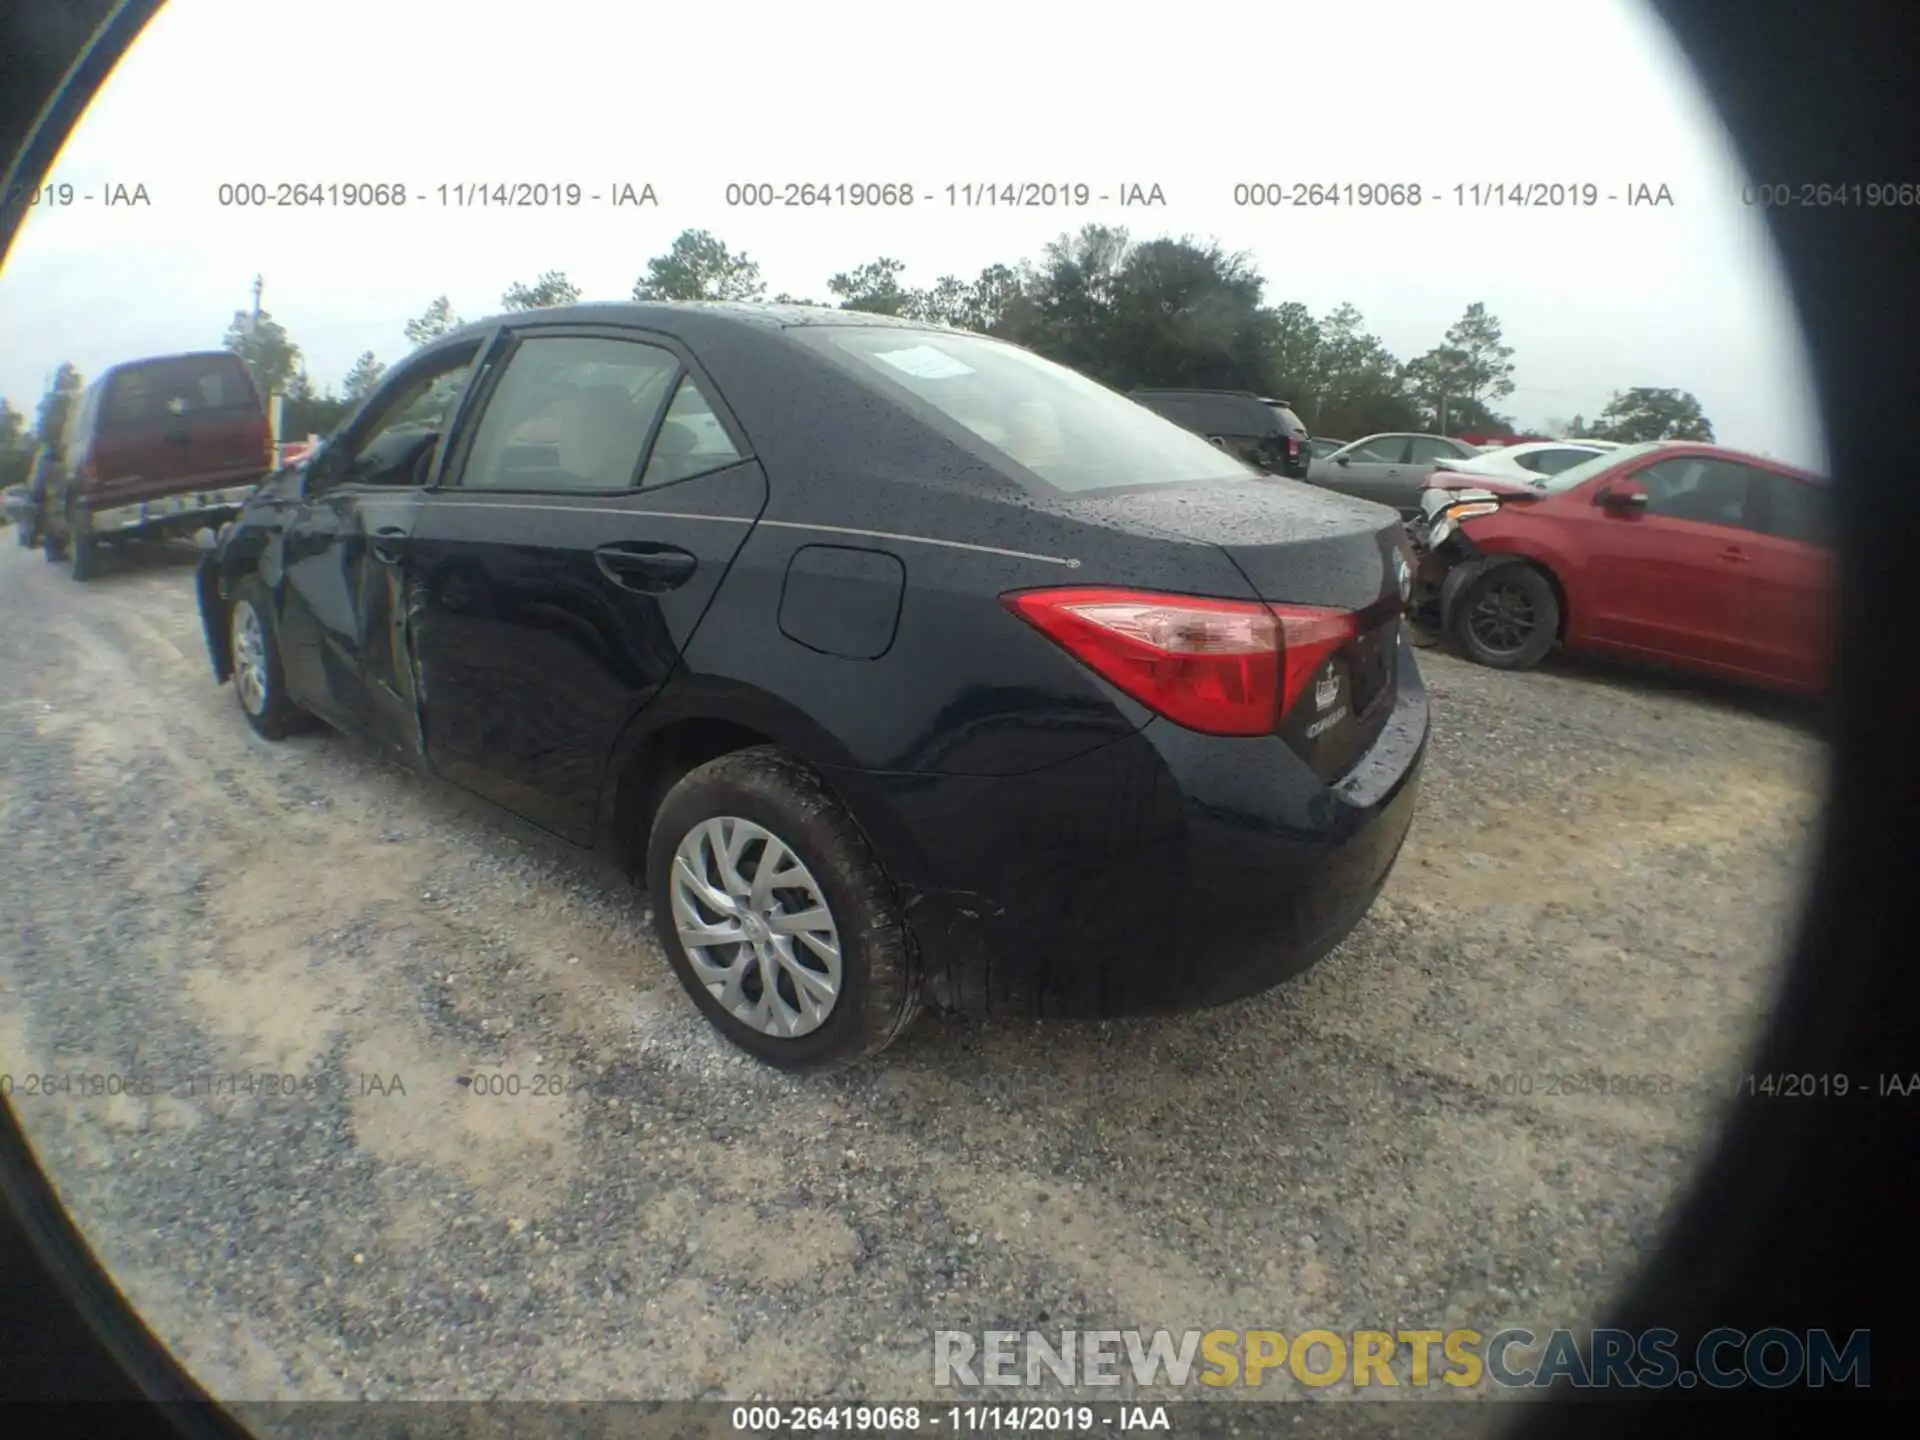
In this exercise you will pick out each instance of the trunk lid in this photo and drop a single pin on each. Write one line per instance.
(1300, 546)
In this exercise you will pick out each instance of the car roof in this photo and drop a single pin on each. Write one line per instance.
(676, 317)
(1727, 452)
(150, 360)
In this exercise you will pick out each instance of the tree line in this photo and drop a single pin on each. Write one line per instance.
(1164, 311)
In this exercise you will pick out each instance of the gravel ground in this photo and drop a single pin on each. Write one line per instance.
(1597, 881)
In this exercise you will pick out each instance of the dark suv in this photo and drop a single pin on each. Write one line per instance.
(1264, 433)
(155, 448)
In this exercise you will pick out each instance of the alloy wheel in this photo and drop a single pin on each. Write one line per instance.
(1502, 618)
(756, 927)
(249, 645)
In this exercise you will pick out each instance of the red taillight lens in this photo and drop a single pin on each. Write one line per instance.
(1221, 667)
(1293, 445)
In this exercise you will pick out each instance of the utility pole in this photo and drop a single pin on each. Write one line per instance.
(1443, 414)
(253, 320)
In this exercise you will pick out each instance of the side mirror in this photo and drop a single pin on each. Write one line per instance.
(1624, 496)
(1343, 459)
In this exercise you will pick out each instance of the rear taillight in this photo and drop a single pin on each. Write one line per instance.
(1221, 667)
(1293, 447)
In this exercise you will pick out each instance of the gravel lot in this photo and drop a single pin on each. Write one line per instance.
(1598, 881)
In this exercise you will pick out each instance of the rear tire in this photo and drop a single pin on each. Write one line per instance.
(83, 558)
(1507, 619)
(724, 831)
(258, 681)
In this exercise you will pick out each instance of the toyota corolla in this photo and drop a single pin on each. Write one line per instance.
(898, 664)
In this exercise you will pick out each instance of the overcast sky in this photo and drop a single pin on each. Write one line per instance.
(424, 92)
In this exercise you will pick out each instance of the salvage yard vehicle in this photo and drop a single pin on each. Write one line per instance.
(1388, 469)
(1526, 461)
(898, 664)
(155, 449)
(1264, 433)
(1682, 553)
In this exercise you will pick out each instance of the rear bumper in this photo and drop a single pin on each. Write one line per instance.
(1167, 871)
(183, 512)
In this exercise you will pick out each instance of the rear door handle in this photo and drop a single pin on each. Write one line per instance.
(386, 544)
(652, 569)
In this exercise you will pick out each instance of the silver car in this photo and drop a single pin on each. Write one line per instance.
(1387, 469)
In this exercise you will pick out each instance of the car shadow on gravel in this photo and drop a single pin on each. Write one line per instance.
(146, 557)
(1657, 682)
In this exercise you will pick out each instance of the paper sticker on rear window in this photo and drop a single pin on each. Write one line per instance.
(923, 362)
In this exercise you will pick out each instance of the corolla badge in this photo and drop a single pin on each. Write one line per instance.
(1326, 692)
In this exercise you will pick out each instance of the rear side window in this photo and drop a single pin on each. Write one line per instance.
(1176, 408)
(1053, 425)
(172, 391)
(1425, 450)
(691, 441)
(1797, 510)
(1552, 462)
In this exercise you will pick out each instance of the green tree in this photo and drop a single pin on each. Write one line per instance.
(50, 419)
(436, 320)
(552, 288)
(1186, 313)
(362, 377)
(1065, 298)
(874, 287)
(16, 445)
(1294, 359)
(1361, 388)
(263, 344)
(1647, 413)
(1455, 383)
(698, 266)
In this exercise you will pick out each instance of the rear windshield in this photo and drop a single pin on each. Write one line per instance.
(172, 390)
(1068, 432)
(1287, 418)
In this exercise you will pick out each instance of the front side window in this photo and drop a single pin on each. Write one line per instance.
(395, 444)
(1386, 450)
(1066, 432)
(570, 413)
(1698, 488)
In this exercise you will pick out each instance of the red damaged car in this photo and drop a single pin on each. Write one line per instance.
(1682, 553)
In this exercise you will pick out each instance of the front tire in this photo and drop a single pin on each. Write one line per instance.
(258, 681)
(777, 916)
(1509, 618)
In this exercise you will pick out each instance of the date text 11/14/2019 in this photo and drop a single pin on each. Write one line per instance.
(1826, 1085)
(1478, 195)
(32, 1085)
(446, 195)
